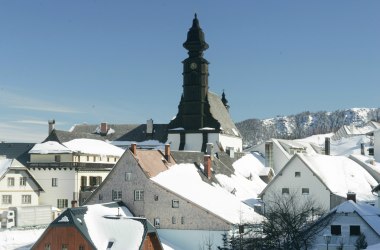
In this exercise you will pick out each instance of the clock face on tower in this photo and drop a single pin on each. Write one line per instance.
(193, 66)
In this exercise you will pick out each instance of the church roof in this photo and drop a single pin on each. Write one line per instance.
(221, 114)
(116, 132)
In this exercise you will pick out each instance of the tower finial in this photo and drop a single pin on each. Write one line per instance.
(195, 15)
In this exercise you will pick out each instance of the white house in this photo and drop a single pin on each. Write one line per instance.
(66, 171)
(17, 186)
(326, 178)
(346, 222)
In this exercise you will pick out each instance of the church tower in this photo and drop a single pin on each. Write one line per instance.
(200, 112)
(193, 110)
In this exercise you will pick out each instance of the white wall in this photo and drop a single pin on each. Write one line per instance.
(376, 146)
(307, 179)
(194, 141)
(50, 158)
(18, 191)
(345, 220)
(65, 188)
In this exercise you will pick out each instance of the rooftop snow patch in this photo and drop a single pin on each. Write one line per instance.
(215, 199)
(91, 146)
(103, 230)
(50, 147)
(4, 166)
(342, 175)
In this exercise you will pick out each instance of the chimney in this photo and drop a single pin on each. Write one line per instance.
(74, 203)
(209, 149)
(167, 152)
(230, 151)
(51, 125)
(351, 196)
(327, 146)
(103, 128)
(133, 148)
(149, 126)
(362, 149)
(207, 166)
(269, 154)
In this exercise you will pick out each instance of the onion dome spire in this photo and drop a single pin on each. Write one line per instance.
(195, 42)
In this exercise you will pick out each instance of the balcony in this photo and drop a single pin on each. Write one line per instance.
(71, 165)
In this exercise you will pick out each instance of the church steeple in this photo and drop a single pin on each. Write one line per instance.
(193, 110)
(195, 42)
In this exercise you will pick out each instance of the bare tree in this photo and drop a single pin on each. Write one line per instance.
(290, 221)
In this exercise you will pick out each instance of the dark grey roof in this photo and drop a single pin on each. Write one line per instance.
(17, 151)
(221, 114)
(120, 132)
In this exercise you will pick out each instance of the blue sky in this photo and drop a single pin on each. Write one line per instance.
(120, 61)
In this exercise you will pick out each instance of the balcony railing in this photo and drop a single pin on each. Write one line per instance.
(79, 165)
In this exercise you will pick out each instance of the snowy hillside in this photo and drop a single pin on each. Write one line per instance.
(304, 124)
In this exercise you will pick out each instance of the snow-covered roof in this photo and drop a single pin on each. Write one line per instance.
(104, 223)
(103, 227)
(5, 164)
(85, 146)
(91, 146)
(245, 183)
(369, 213)
(49, 147)
(184, 180)
(341, 175)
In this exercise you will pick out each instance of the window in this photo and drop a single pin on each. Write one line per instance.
(11, 181)
(175, 203)
(156, 197)
(108, 159)
(54, 182)
(285, 190)
(65, 247)
(305, 191)
(156, 222)
(116, 195)
(94, 158)
(297, 174)
(100, 197)
(139, 195)
(114, 159)
(182, 220)
(57, 158)
(336, 230)
(26, 199)
(128, 176)
(88, 158)
(354, 230)
(83, 181)
(174, 220)
(62, 203)
(95, 180)
(47, 246)
(110, 244)
(7, 199)
(22, 181)
(81, 247)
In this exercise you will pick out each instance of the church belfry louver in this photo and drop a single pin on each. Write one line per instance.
(202, 116)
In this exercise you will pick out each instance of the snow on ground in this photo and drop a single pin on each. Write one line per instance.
(213, 198)
(20, 239)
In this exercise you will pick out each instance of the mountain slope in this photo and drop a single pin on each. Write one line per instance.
(255, 131)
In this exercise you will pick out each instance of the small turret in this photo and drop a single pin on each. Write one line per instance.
(224, 100)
